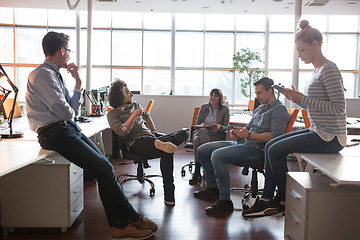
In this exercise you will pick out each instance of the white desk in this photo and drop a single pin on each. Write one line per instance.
(19, 152)
(324, 206)
(343, 167)
(46, 194)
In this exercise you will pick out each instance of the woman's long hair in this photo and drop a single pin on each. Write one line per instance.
(218, 93)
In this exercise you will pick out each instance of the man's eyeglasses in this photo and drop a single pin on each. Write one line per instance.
(69, 51)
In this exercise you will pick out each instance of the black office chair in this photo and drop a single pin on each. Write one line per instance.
(189, 145)
(251, 190)
(119, 152)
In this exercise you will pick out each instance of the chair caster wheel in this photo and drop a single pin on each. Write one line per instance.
(190, 168)
(183, 172)
(152, 192)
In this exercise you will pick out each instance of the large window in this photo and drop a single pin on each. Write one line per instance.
(181, 54)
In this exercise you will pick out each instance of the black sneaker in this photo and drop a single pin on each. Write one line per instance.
(262, 208)
(221, 206)
(280, 211)
(169, 198)
(207, 193)
(196, 179)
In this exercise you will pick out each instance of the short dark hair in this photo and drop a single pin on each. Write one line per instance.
(117, 95)
(266, 82)
(53, 42)
(218, 93)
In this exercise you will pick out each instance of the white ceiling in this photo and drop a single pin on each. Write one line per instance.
(337, 7)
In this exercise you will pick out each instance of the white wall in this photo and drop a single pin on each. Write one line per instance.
(353, 107)
(171, 113)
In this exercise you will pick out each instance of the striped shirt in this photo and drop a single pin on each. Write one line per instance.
(325, 101)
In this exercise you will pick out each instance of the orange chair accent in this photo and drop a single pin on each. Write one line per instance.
(196, 112)
(306, 119)
(189, 144)
(251, 105)
(293, 112)
(150, 105)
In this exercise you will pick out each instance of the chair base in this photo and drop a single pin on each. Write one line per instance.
(140, 176)
(248, 193)
(190, 165)
(249, 190)
(143, 179)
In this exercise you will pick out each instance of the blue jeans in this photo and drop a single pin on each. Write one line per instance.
(277, 149)
(215, 155)
(68, 141)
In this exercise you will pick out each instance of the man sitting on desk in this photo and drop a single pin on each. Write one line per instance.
(269, 120)
(137, 131)
(50, 110)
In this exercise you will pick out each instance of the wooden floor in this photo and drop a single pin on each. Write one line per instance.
(187, 220)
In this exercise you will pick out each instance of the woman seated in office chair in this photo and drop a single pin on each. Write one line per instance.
(137, 130)
(211, 125)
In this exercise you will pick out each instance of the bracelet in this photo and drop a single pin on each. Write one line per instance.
(248, 136)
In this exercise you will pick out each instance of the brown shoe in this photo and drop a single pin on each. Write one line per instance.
(167, 147)
(131, 232)
(144, 223)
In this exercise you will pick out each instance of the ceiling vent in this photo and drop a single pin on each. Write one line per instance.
(316, 3)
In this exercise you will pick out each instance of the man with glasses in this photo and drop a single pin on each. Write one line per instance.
(50, 110)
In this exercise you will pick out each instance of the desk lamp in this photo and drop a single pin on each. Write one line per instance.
(11, 114)
(3, 97)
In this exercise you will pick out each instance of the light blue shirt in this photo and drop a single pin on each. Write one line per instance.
(47, 99)
(272, 118)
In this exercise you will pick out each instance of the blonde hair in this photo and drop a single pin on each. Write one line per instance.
(308, 34)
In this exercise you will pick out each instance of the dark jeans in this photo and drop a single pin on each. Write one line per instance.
(145, 146)
(277, 149)
(80, 150)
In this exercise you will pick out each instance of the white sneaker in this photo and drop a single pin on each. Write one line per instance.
(167, 147)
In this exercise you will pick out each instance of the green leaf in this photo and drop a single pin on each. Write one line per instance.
(246, 61)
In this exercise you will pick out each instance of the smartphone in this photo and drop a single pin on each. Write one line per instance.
(232, 127)
(277, 87)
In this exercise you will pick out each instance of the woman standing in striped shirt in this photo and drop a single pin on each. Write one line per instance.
(324, 100)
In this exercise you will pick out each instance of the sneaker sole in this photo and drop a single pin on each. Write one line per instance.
(167, 147)
(133, 238)
(169, 203)
(278, 214)
(266, 212)
(219, 212)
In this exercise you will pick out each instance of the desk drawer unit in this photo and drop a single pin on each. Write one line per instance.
(43, 194)
(316, 210)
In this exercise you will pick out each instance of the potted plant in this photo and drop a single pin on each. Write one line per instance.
(247, 61)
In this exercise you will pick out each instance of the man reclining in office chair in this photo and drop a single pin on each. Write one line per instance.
(137, 131)
(268, 121)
